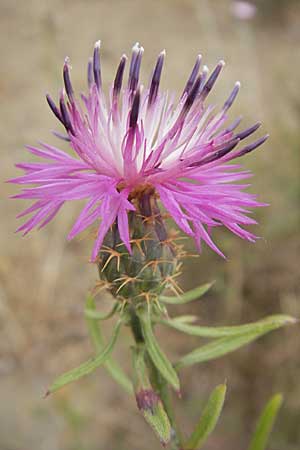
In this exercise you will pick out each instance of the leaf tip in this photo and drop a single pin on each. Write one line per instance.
(223, 387)
(278, 399)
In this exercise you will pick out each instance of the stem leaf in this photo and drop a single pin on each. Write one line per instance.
(265, 423)
(208, 419)
(187, 297)
(156, 354)
(224, 345)
(111, 366)
(216, 332)
(87, 367)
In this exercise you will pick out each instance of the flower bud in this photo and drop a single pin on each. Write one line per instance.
(153, 259)
(148, 401)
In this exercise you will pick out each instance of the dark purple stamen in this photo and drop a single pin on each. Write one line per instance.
(233, 126)
(248, 131)
(134, 54)
(135, 109)
(203, 77)
(249, 148)
(217, 155)
(191, 96)
(232, 96)
(134, 71)
(54, 108)
(119, 76)
(90, 77)
(65, 115)
(61, 136)
(192, 77)
(211, 81)
(96, 65)
(156, 78)
(67, 81)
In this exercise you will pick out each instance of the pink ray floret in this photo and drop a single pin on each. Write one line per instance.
(136, 137)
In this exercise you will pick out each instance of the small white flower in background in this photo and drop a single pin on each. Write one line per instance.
(243, 10)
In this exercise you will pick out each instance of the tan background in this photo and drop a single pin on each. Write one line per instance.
(44, 279)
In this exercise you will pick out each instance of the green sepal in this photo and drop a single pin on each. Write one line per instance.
(111, 366)
(265, 423)
(88, 366)
(215, 332)
(156, 354)
(208, 419)
(222, 346)
(187, 297)
(147, 399)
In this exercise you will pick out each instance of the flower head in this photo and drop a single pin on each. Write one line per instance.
(139, 142)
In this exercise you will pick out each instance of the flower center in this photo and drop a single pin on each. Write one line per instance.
(139, 191)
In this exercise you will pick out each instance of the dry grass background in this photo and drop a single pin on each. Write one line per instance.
(44, 280)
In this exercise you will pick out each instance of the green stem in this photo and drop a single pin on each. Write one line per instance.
(158, 382)
(136, 327)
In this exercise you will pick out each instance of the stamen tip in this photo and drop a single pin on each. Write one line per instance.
(136, 47)
(97, 44)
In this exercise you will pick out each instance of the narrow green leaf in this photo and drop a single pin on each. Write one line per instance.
(111, 366)
(208, 419)
(215, 332)
(156, 354)
(87, 367)
(222, 346)
(188, 318)
(189, 296)
(265, 423)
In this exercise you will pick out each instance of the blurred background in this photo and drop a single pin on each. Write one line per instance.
(44, 279)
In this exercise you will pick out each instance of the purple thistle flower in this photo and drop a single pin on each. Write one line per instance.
(138, 140)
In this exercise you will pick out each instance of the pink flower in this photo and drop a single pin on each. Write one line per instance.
(139, 138)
